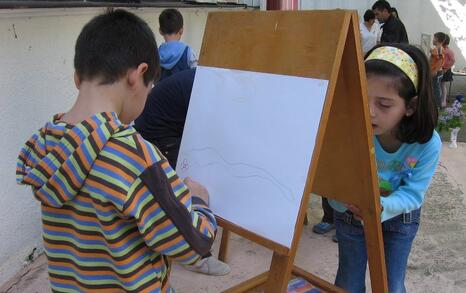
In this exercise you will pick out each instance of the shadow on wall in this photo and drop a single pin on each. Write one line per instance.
(452, 13)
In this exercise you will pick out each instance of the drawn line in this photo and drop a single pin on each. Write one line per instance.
(285, 190)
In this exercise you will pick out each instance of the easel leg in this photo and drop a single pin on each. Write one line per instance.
(279, 274)
(222, 253)
(376, 259)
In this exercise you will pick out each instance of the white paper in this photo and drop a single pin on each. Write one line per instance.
(249, 138)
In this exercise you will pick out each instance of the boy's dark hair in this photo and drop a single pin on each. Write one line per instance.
(447, 40)
(368, 15)
(420, 126)
(381, 5)
(170, 21)
(393, 9)
(441, 37)
(111, 44)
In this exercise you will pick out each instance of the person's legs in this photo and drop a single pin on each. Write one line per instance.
(352, 254)
(398, 235)
(326, 224)
(328, 211)
(446, 78)
(443, 87)
(436, 88)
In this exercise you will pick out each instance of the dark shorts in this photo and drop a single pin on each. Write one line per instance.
(447, 76)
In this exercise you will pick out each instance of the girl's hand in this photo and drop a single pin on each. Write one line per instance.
(355, 210)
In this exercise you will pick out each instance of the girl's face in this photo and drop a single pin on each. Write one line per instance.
(387, 108)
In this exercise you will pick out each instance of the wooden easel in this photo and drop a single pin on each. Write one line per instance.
(316, 44)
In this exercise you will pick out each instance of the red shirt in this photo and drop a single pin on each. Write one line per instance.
(449, 58)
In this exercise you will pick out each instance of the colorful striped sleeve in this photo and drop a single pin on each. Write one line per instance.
(171, 221)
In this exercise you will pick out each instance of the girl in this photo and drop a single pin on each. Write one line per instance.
(407, 149)
(448, 62)
(437, 59)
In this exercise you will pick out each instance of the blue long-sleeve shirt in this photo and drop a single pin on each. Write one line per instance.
(404, 176)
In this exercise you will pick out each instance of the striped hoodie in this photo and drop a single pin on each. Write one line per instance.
(113, 210)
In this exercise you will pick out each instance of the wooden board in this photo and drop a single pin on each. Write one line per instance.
(316, 44)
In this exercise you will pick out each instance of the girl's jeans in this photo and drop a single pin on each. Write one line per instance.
(398, 235)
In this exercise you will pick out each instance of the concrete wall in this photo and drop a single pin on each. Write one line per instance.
(36, 81)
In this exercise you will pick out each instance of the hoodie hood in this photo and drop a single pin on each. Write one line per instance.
(170, 53)
(57, 159)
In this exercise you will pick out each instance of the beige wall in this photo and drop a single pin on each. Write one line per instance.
(36, 81)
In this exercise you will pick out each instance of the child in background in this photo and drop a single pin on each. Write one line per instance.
(448, 63)
(436, 64)
(175, 55)
(113, 210)
(407, 150)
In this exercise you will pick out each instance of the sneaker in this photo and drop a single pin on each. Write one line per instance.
(334, 238)
(323, 227)
(210, 266)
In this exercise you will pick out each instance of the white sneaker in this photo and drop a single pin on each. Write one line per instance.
(210, 266)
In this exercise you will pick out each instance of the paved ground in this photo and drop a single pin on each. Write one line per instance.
(437, 262)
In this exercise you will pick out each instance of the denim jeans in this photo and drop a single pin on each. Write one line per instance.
(398, 235)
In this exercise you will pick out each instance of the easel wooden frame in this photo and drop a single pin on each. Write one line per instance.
(317, 44)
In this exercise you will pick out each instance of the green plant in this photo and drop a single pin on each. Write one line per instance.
(451, 117)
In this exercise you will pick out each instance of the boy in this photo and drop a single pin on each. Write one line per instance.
(162, 123)
(113, 209)
(175, 55)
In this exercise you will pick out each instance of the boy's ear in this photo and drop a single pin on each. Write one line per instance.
(160, 32)
(181, 31)
(77, 80)
(135, 74)
(411, 107)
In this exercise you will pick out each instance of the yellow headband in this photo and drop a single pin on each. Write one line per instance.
(399, 58)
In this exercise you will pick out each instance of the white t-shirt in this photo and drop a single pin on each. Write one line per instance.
(369, 38)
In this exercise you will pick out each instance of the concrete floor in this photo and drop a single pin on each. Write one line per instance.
(437, 261)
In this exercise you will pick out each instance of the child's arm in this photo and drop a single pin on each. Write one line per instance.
(192, 59)
(410, 195)
(171, 220)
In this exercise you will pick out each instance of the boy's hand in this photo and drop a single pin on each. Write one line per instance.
(197, 189)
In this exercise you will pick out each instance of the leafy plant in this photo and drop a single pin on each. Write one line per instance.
(451, 117)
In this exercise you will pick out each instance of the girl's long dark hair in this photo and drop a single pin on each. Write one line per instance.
(420, 126)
